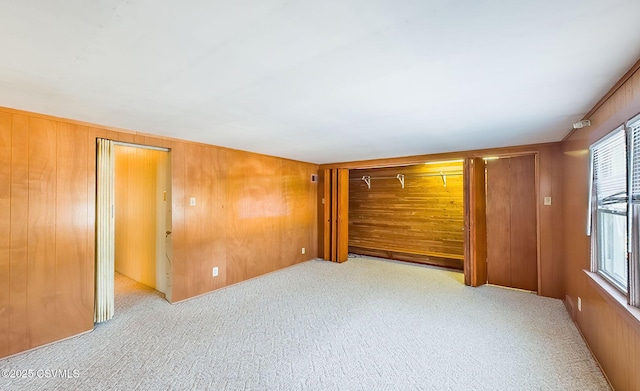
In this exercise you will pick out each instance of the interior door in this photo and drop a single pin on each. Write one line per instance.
(336, 215)
(512, 258)
(168, 246)
(168, 239)
(475, 242)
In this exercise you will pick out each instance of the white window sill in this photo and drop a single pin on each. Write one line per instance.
(615, 298)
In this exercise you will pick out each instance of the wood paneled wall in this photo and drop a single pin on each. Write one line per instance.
(424, 222)
(253, 215)
(613, 338)
(47, 187)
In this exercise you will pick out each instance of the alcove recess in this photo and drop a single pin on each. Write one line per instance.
(411, 213)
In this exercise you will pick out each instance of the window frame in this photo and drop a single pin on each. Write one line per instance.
(594, 227)
(632, 127)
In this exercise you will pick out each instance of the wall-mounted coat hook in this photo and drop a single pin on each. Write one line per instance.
(367, 180)
(401, 179)
(444, 178)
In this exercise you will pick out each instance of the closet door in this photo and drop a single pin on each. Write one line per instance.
(475, 242)
(336, 215)
(512, 223)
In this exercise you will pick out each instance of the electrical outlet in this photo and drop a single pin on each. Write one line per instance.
(303, 250)
(547, 200)
(579, 304)
(192, 201)
(215, 271)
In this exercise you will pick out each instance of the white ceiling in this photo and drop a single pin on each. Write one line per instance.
(320, 81)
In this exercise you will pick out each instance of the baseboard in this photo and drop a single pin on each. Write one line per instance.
(449, 263)
(240, 282)
(46, 344)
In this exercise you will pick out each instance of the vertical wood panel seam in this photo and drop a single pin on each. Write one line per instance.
(10, 147)
(55, 230)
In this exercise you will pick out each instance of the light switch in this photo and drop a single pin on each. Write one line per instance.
(547, 200)
(192, 201)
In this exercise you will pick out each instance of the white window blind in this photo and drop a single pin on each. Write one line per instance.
(610, 170)
(634, 149)
(609, 214)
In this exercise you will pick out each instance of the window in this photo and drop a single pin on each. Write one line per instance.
(614, 223)
(609, 208)
(633, 131)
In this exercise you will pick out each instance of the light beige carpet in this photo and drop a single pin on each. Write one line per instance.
(363, 325)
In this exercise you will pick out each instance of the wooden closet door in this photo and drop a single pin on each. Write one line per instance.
(475, 246)
(336, 215)
(511, 223)
(499, 222)
(524, 237)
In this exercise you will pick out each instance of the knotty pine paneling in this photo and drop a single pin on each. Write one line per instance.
(613, 338)
(251, 211)
(423, 219)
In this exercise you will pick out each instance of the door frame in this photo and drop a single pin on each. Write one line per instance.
(476, 265)
(169, 208)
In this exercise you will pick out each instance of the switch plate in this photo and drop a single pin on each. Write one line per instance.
(215, 271)
(303, 250)
(579, 304)
(192, 201)
(547, 200)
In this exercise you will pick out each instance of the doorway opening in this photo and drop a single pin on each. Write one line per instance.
(488, 226)
(142, 218)
(413, 213)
